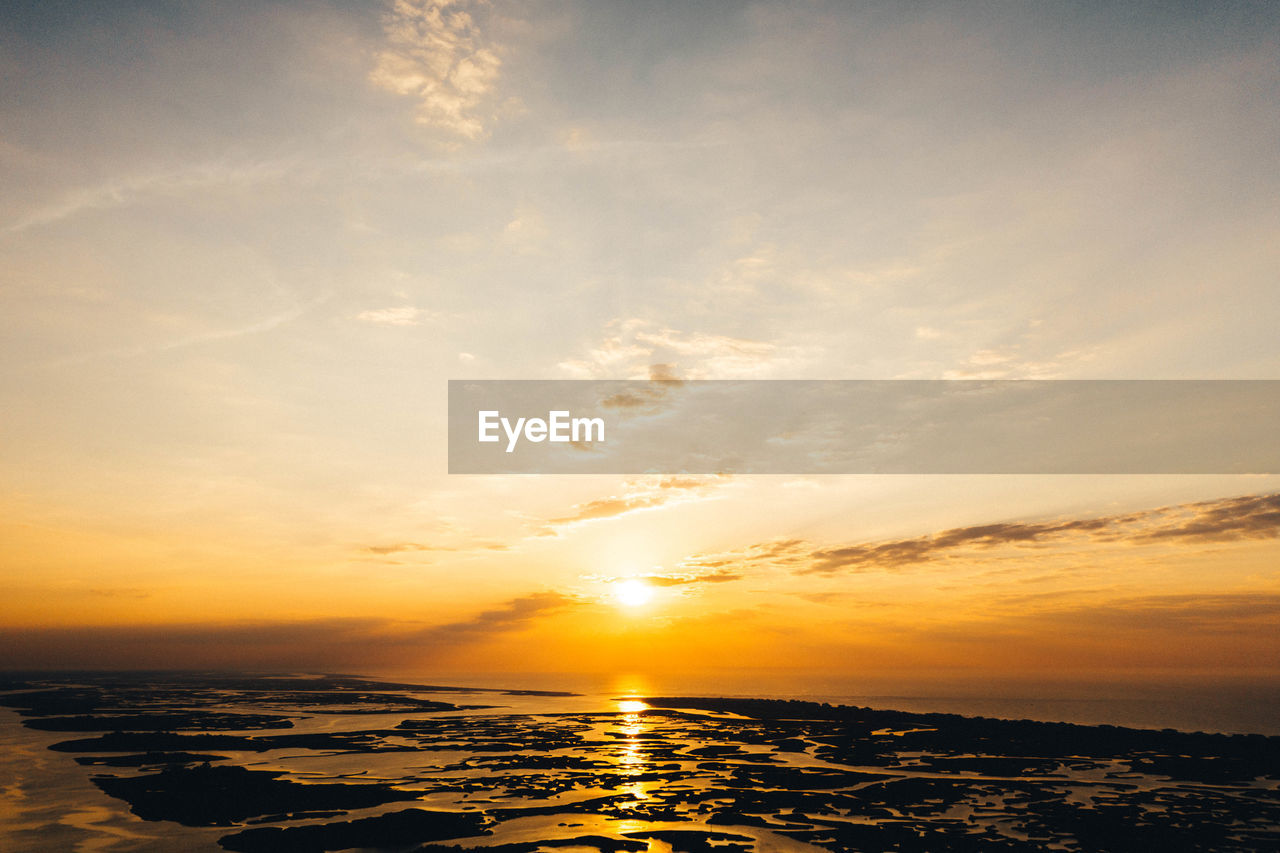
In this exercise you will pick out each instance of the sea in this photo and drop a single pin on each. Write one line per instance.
(1227, 706)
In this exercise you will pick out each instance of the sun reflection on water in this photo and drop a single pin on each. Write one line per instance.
(631, 726)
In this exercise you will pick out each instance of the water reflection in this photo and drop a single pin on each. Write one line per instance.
(631, 726)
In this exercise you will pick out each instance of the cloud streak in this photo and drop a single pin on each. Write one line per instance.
(393, 548)
(1225, 520)
(401, 315)
(317, 644)
(1250, 517)
(719, 576)
(637, 349)
(639, 496)
(147, 186)
(509, 616)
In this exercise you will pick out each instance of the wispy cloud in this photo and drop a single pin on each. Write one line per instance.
(402, 547)
(663, 380)
(671, 579)
(639, 495)
(438, 54)
(691, 579)
(922, 549)
(777, 553)
(416, 547)
(635, 349)
(1011, 362)
(509, 616)
(132, 189)
(1223, 520)
(402, 315)
(266, 324)
(1249, 517)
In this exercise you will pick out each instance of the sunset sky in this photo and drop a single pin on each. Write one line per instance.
(243, 247)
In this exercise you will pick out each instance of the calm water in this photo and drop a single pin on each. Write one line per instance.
(1231, 707)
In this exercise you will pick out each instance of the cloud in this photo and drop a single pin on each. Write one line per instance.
(637, 349)
(509, 616)
(438, 55)
(662, 379)
(401, 547)
(718, 576)
(403, 315)
(1224, 520)
(1248, 517)
(786, 553)
(639, 495)
(902, 552)
(1009, 362)
(126, 190)
(527, 232)
(316, 644)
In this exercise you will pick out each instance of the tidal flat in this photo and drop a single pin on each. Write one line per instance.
(192, 761)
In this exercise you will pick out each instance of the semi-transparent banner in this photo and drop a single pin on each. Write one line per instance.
(864, 426)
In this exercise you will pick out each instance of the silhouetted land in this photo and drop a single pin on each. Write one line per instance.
(284, 764)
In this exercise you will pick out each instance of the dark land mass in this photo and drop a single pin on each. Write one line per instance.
(395, 829)
(177, 682)
(148, 759)
(221, 796)
(686, 841)
(601, 843)
(317, 695)
(355, 741)
(161, 722)
(700, 775)
(1013, 747)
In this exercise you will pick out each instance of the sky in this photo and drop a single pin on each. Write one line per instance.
(244, 246)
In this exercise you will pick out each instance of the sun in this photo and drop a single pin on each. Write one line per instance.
(632, 593)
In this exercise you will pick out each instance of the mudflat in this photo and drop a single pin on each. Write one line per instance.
(315, 763)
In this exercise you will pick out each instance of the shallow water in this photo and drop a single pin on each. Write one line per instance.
(164, 763)
(1231, 706)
